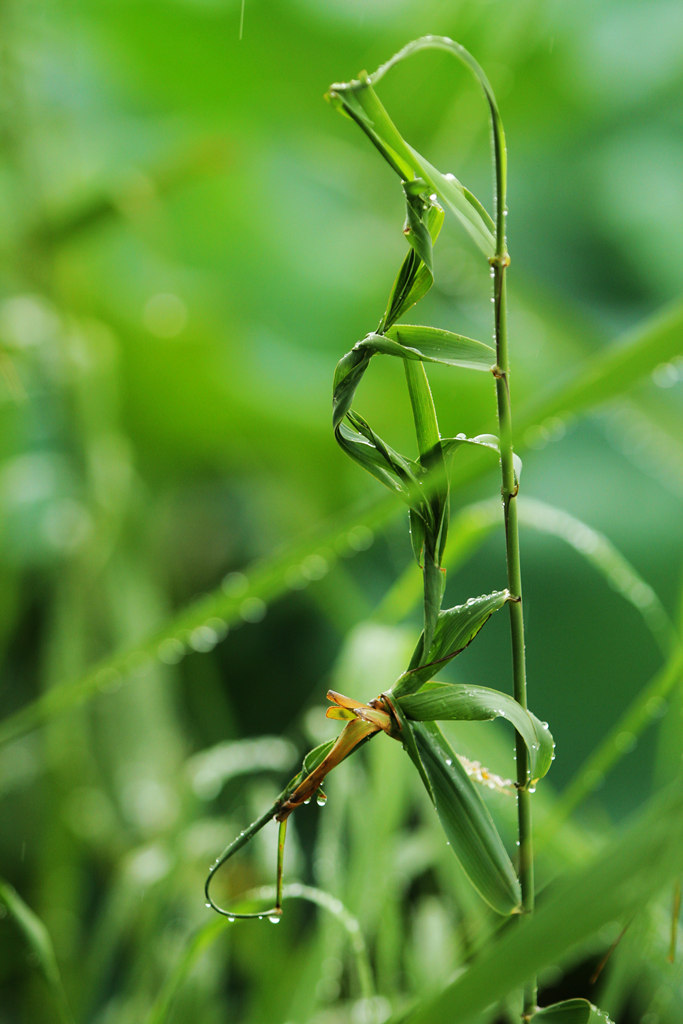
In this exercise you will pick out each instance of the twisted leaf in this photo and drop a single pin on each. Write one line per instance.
(359, 101)
(572, 1011)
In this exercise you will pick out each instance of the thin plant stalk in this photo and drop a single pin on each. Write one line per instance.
(509, 490)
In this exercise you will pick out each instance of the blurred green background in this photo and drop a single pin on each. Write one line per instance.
(191, 238)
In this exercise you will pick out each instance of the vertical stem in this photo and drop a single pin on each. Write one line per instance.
(509, 491)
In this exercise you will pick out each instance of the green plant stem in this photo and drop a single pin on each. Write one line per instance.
(509, 495)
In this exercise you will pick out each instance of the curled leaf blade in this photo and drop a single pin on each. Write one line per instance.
(571, 1011)
(433, 345)
(359, 101)
(439, 702)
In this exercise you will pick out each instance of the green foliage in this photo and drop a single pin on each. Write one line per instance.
(189, 240)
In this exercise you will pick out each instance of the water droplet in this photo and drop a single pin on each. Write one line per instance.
(274, 918)
(234, 584)
(252, 609)
(203, 639)
(260, 917)
(231, 919)
(307, 801)
(294, 578)
(532, 789)
(360, 538)
(665, 375)
(656, 707)
(449, 761)
(165, 315)
(321, 799)
(314, 567)
(461, 437)
(625, 742)
(208, 906)
(171, 651)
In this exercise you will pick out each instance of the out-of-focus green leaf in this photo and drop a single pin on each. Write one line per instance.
(40, 943)
(438, 702)
(455, 629)
(467, 823)
(620, 880)
(572, 1011)
(599, 551)
(612, 372)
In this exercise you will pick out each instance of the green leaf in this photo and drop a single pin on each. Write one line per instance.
(347, 376)
(424, 218)
(439, 702)
(599, 552)
(432, 345)
(621, 880)
(444, 183)
(38, 939)
(465, 819)
(313, 758)
(490, 441)
(434, 508)
(612, 372)
(417, 536)
(359, 101)
(572, 1011)
(394, 470)
(455, 629)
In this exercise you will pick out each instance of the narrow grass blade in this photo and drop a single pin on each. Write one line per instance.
(36, 935)
(192, 950)
(439, 702)
(466, 821)
(623, 878)
(599, 551)
(572, 1011)
(612, 372)
(645, 708)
